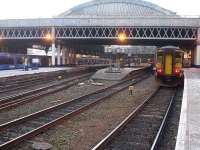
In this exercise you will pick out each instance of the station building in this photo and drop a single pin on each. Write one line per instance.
(87, 28)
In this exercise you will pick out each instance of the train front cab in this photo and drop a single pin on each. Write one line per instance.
(169, 65)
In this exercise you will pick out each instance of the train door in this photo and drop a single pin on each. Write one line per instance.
(168, 63)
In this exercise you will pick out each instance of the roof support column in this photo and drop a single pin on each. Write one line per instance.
(53, 47)
(197, 51)
(58, 55)
(53, 57)
(73, 56)
(63, 56)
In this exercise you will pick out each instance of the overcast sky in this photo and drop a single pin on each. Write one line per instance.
(47, 8)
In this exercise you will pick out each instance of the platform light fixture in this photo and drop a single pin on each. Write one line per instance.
(122, 37)
(48, 37)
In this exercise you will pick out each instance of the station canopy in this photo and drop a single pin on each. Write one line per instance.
(123, 8)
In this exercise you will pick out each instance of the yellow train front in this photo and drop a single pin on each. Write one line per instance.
(169, 60)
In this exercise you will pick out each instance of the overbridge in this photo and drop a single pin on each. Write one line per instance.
(101, 22)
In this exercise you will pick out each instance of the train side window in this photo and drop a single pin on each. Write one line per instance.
(20, 61)
(159, 58)
(6, 60)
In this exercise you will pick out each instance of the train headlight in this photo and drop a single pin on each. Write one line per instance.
(177, 71)
(160, 71)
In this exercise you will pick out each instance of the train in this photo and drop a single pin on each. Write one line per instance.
(91, 61)
(11, 61)
(16, 61)
(169, 66)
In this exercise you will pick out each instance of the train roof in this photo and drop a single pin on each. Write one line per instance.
(165, 48)
(170, 47)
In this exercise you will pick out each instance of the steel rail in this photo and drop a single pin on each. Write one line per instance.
(29, 96)
(102, 144)
(22, 85)
(15, 100)
(162, 126)
(18, 84)
(116, 131)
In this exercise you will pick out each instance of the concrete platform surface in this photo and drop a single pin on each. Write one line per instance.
(103, 74)
(17, 72)
(189, 126)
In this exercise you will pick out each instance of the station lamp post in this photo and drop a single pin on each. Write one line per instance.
(50, 37)
(122, 39)
(110, 61)
(1, 39)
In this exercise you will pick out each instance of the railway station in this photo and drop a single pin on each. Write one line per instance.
(105, 74)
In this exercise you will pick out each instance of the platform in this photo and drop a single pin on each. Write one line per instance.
(18, 72)
(189, 126)
(103, 74)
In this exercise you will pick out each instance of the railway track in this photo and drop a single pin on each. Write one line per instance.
(10, 85)
(23, 84)
(142, 129)
(20, 129)
(18, 82)
(25, 97)
(170, 130)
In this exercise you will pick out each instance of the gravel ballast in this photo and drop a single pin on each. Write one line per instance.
(88, 128)
(51, 100)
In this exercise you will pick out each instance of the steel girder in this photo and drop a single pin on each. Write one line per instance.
(25, 33)
(139, 33)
